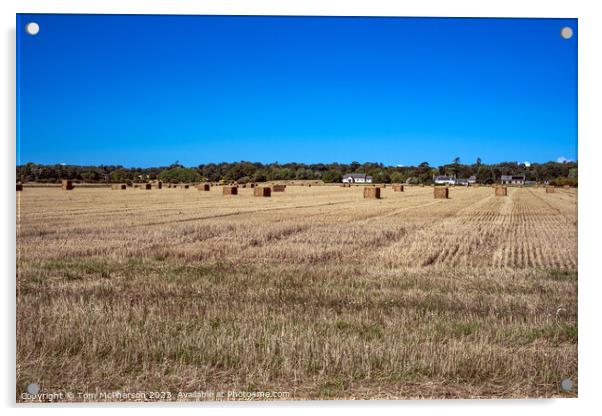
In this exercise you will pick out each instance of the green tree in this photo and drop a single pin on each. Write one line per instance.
(332, 176)
(398, 177)
(180, 175)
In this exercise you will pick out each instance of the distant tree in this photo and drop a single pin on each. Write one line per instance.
(118, 175)
(381, 176)
(332, 176)
(398, 177)
(258, 172)
(179, 175)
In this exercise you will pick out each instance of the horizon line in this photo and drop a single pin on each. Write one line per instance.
(525, 163)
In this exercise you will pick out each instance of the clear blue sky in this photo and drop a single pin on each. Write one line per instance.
(150, 90)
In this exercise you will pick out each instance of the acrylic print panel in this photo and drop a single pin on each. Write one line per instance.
(295, 208)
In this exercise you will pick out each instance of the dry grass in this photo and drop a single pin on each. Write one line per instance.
(315, 291)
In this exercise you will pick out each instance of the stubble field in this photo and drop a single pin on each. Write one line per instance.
(314, 291)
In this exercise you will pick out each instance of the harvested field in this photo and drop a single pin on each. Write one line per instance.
(315, 291)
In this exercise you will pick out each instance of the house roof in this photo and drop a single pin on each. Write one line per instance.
(356, 176)
(443, 178)
(512, 178)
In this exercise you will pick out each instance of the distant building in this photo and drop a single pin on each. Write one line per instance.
(512, 180)
(463, 182)
(444, 180)
(357, 178)
(472, 179)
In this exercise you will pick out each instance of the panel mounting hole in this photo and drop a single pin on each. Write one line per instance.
(566, 32)
(32, 28)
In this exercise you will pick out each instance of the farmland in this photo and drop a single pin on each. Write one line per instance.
(315, 291)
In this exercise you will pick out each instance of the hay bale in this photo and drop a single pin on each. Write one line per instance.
(118, 186)
(372, 193)
(441, 192)
(158, 184)
(397, 188)
(19, 187)
(252, 185)
(278, 188)
(550, 189)
(230, 190)
(67, 185)
(145, 186)
(204, 187)
(262, 191)
(501, 191)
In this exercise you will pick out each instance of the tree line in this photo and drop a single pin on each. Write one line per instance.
(558, 173)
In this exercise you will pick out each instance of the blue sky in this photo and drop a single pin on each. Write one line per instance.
(150, 90)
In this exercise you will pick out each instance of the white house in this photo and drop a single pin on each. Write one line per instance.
(357, 178)
(444, 180)
(512, 180)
